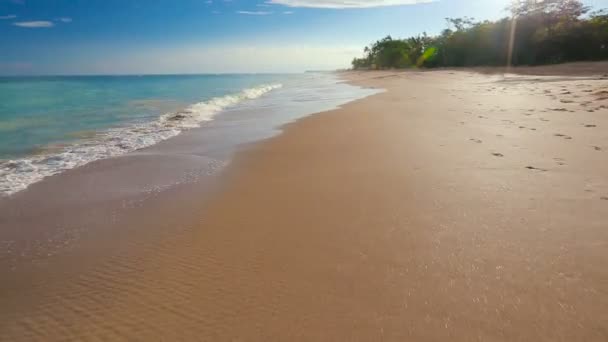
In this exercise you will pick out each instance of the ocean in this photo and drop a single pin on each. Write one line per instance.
(52, 124)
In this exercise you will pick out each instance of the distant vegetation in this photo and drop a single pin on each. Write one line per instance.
(539, 32)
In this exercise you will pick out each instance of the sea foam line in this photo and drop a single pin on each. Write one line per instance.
(18, 174)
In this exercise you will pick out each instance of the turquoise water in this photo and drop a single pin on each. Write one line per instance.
(37, 113)
(52, 124)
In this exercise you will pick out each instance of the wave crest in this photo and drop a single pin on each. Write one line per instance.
(17, 175)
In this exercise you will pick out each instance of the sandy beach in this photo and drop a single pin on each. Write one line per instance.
(453, 206)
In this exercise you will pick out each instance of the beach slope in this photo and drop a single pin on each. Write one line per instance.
(454, 206)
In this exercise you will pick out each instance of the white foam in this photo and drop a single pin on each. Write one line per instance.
(17, 175)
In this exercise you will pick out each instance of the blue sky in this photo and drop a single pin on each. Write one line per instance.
(196, 36)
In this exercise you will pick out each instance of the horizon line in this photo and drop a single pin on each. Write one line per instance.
(166, 74)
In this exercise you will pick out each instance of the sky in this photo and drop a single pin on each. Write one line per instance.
(65, 37)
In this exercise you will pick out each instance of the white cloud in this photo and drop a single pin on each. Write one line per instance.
(338, 4)
(288, 12)
(10, 16)
(65, 20)
(34, 24)
(209, 2)
(254, 12)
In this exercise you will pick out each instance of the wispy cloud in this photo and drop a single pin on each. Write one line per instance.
(10, 16)
(209, 2)
(288, 12)
(34, 24)
(254, 12)
(338, 4)
(65, 19)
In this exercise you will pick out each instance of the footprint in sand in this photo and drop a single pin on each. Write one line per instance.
(496, 154)
(604, 198)
(536, 168)
(559, 161)
(597, 148)
(590, 126)
(543, 119)
(567, 137)
(602, 94)
(476, 140)
(533, 129)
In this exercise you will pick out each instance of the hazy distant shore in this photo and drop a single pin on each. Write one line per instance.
(455, 205)
(576, 69)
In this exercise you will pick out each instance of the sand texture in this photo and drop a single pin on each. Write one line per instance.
(454, 206)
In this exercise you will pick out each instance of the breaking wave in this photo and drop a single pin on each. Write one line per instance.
(18, 174)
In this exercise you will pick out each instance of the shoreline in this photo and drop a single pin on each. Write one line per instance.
(120, 138)
(396, 216)
(89, 201)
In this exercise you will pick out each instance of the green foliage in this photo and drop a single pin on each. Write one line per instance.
(543, 32)
(385, 53)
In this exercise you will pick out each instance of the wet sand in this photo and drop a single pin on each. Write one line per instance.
(455, 206)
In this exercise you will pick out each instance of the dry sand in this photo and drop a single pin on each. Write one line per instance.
(455, 206)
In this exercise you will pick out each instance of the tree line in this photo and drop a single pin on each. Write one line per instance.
(538, 32)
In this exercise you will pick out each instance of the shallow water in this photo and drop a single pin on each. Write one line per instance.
(52, 124)
(98, 198)
(36, 111)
